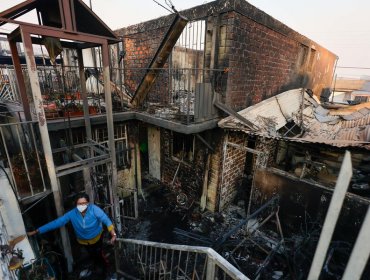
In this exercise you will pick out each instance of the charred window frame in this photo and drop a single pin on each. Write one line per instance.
(100, 135)
(182, 147)
(302, 56)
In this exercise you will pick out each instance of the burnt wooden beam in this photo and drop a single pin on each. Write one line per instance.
(159, 59)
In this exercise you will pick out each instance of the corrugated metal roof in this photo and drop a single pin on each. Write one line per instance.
(316, 140)
(320, 125)
(275, 110)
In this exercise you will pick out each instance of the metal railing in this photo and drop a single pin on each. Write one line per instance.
(129, 205)
(137, 259)
(20, 152)
(174, 95)
(8, 84)
(177, 94)
(5, 256)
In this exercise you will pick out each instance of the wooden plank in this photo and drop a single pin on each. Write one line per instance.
(331, 217)
(360, 253)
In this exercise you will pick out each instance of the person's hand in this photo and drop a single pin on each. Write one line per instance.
(113, 238)
(31, 233)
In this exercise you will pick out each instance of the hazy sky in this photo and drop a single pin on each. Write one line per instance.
(341, 26)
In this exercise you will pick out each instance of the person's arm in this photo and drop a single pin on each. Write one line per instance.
(100, 214)
(57, 223)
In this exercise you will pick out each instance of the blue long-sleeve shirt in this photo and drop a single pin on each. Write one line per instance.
(86, 227)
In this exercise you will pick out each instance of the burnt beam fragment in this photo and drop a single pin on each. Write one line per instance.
(159, 59)
(217, 244)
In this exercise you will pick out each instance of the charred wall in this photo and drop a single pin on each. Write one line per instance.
(264, 57)
(233, 164)
(265, 62)
(302, 210)
(140, 47)
(183, 170)
(188, 166)
(304, 202)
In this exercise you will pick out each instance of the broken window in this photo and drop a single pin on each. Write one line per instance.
(183, 146)
(302, 56)
(122, 151)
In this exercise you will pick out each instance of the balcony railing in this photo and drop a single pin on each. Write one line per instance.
(137, 259)
(181, 95)
(20, 154)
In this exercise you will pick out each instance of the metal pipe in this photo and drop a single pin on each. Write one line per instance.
(110, 126)
(253, 151)
(9, 161)
(38, 157)
(24, 158)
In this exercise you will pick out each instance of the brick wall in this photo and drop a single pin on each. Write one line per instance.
(265, 62)
(264, 56)
(232, 168)
(140, 47)
(214, 180)
(261, 61)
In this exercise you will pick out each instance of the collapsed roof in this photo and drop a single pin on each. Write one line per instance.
(341, 126)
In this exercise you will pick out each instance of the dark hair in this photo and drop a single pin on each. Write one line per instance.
(82, 195)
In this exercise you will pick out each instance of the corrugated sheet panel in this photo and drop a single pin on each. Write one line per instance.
(359, 122)
(278, 109)
(290, 101)
(316, 140)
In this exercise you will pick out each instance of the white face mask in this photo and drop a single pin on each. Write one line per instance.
(82, 208)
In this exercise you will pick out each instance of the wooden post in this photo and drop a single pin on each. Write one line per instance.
(360, 253)
(332, 215)
(20, 80)
(84, 94)
(37, 99)
(203, 200)
(139, 186)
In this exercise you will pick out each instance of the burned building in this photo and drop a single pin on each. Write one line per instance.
(183, 104)
(231, 55)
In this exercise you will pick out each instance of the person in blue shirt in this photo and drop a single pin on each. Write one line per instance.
(87, 220)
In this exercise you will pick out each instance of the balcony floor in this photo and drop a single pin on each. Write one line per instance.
(192, 128)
